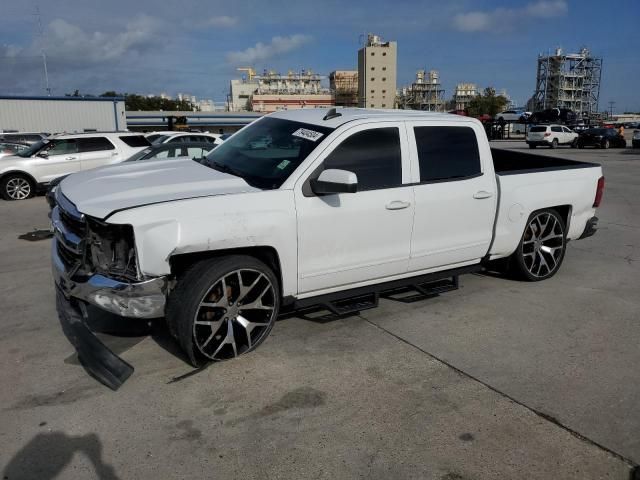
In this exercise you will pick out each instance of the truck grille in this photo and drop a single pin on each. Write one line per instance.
(70, 229)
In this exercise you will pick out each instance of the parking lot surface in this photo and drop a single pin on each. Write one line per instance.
(500, 379)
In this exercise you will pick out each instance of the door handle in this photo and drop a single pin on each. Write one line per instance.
(113, 154)
(482, 194)
(397, 205)
(70, 158)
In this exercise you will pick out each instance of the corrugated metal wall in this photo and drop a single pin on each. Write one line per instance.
(61, 115)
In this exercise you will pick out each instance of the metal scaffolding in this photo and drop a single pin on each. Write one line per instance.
(568, 81)
(423, 94)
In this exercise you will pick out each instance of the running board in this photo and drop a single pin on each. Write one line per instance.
(406, 290)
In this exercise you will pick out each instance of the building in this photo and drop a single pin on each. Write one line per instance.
(241, 90)
(568, 81)
(464, 93)
(62, 114)
(290, 91)
(426, 93)
(344, 85)
(377, 70)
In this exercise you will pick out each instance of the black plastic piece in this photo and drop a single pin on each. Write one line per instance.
(96, 358)
(323, 188)
(421, 291)
(332, 113)
(590, 228)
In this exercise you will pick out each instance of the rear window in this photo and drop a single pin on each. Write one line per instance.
(538, 129)
(447, 153)
(94, 144)
(135, 141)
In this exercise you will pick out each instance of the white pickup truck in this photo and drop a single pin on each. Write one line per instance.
(335, 208)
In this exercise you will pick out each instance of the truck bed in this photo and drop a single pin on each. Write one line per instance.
(510, 162)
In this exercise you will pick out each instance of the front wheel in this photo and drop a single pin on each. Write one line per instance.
(223, 307)
(542, 247)
(15, 186)
(574, 144)
(606, 144)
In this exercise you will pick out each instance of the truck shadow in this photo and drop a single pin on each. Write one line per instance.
(47, 454)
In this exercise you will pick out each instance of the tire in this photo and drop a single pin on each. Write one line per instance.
(210, 327)
(580, 145)
(606, 144)
(16, 186)
(574, 144)
(532, 146)
(542, 247)
(554, 143)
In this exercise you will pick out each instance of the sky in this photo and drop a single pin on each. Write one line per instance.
(195, 46)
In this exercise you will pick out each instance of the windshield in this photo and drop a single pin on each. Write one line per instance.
(266, 152)
(139, 155)
(33, 149)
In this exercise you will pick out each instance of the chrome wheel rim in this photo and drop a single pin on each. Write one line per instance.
(235, 314)
(543, 244)
(18, 188)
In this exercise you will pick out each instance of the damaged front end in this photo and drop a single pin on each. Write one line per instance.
(95, 262)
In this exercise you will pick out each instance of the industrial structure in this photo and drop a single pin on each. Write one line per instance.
(464, 93)
(344, 85)
(62, 114)
(426, 93)
(220, 122)
(377, 70)
(567, 81)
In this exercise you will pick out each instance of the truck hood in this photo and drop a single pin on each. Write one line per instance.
(101, 191)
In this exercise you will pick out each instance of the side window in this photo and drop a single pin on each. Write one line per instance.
(556, 129)
(62, 147)
(94, 144)
(196, 152)
(373, 155)
(447, 153)
(566, 130)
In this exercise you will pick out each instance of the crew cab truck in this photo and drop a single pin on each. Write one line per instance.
(336, 204)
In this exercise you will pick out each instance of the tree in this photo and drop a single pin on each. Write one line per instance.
(141, 103)
(487, 103)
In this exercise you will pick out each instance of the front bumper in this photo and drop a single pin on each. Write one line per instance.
(139, 300)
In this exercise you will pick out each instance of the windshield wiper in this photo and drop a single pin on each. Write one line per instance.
(225, 169)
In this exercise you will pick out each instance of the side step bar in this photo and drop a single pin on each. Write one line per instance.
(404, 290)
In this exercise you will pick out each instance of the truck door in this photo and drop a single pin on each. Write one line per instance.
(348, 238)
(455, 196)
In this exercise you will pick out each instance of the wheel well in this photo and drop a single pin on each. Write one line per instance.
(179, 263)
(565, 213)
(24, 174)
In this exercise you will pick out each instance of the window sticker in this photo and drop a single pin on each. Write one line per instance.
(283, 164)
(307, 134)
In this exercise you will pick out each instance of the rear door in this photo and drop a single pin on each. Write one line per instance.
(349, 238)
(96, 152)
(455, 198)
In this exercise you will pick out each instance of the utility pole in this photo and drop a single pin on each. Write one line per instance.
(611, 104)
(42, 52)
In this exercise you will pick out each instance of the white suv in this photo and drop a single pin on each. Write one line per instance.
(21, 175)
(551, 136)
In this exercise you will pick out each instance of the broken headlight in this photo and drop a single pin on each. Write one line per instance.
(112, 250)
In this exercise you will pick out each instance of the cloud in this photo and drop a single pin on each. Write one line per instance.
(261, 51)
(222, 21)
(502, 19)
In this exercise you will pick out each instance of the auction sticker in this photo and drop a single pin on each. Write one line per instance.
(307, 134)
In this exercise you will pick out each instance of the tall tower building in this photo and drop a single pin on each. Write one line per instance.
(377, 68)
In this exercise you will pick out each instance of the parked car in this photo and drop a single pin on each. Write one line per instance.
(553, 115)
(187, 137)
(31, 169)
(601, 138)
(512, 116)
(7, 148)
(635, 140)
(187, 150)
(362, 202)
(28, 138)
(551, 136)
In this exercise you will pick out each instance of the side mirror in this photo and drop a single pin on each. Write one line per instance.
(335, 181)
(43, 154)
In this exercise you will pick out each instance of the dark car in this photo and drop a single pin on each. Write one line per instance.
(601, 138)
(26, 138)
(7, 148)
(194, 150)
(553, 115)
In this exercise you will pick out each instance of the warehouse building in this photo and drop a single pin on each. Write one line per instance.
(377, 65)
(62, 114)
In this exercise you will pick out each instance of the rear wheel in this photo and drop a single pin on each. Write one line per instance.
(542, 247)
(554, 143)
(16, 186)
(532, 146)
(574, 144)
(223, 307)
